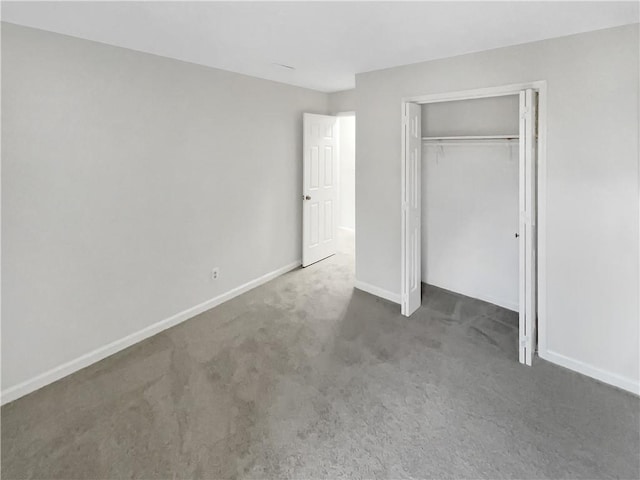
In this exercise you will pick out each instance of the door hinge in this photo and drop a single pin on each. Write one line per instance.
(525, 218)
(524, 341)
(405, 206)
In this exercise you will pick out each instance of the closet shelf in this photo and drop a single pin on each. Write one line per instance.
(471, 137)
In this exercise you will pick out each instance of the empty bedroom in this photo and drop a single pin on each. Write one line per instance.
(318, 240)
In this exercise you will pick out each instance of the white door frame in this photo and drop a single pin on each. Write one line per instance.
(514, 89)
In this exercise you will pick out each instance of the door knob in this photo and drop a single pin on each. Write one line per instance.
(517, 235)
(307, 197)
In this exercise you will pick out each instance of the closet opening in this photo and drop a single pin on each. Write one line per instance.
(471, 189)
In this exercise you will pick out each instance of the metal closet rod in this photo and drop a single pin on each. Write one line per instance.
(473, 137)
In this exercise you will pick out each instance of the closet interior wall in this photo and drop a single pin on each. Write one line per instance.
(470, 198)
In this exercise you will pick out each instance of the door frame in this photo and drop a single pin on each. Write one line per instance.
(540, 86)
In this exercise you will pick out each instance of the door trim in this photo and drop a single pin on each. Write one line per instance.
(540, 86)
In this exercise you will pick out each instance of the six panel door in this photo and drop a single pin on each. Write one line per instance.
(319, 187)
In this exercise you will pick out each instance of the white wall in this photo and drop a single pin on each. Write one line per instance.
(479, 116)
(592, 185)
(344, 101)
(470, 200)
(125, 178)
(347, 159)
(469, 220)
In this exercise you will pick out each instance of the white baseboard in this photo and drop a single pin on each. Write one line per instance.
(616, 380)
(39, 381)
(377, 291)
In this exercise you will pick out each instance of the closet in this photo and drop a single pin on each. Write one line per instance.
(472, 165)
(470, 202)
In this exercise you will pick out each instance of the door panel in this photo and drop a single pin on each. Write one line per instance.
(319, 187)
(528, 227)
(412, 281)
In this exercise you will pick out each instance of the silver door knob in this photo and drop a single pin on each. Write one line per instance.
(307, 197)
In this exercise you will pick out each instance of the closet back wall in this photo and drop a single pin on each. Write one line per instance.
(478, 116)
(470, 199)
(126, 177)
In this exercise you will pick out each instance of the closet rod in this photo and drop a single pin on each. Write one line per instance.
(479, 143)
(473, 137)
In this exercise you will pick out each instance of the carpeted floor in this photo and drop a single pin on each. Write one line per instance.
(306, 377)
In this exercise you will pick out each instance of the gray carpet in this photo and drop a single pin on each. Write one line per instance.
(306, 377)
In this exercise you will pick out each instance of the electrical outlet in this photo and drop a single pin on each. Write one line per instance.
(215, 273)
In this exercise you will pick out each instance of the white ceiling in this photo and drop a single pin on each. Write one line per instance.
(326, 42)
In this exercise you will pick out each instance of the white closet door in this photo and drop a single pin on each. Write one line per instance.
(527, 230)
(319, 191)
(411, 275)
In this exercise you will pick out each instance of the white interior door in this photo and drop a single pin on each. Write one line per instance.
(527, 229)
(319, 189)
(411, 216)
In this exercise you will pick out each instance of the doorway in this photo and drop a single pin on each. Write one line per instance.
(328, 186)
(530, 229)
(346, 182)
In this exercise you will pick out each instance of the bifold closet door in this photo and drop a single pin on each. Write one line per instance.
(527, 227)
(319, 189)
(411, 214)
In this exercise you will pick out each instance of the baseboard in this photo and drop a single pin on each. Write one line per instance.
(377, 291)
(39, 381)
(485, 298)
(577, 366)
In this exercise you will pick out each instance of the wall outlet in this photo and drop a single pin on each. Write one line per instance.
(215, 273)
